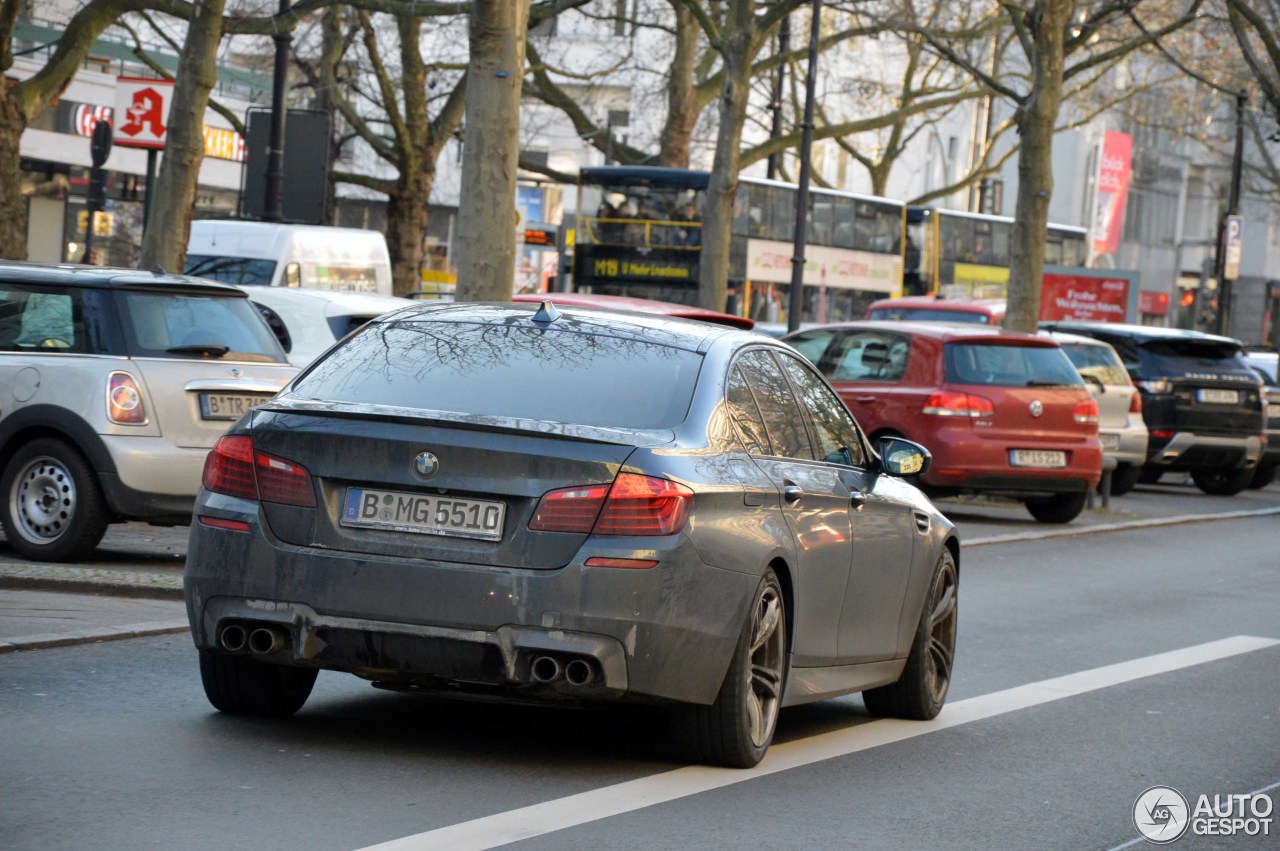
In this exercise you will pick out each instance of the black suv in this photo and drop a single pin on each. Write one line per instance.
(1203, 405)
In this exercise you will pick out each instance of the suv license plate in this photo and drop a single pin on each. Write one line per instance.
(1110, 441)
(227, 406)
(1218, 397)
(422, 514)
(1037, 458)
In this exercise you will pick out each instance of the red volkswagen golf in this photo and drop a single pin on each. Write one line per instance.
(1003, 413)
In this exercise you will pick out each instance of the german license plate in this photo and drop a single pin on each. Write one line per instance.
(1037, 458)
(1110, 441)
(423, 514)
(227, 406)
(1273, 412)
(1218, 397)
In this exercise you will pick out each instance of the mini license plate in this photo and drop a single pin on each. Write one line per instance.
(1110, 441)
(1218, 397)
(1037, 458)
(227, 406)
(423, 514)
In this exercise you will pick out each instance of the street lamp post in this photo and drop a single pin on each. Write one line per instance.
(1223, 322)
(274, 201)
(796, 308)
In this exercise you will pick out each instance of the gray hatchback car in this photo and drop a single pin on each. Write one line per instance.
(511, 501)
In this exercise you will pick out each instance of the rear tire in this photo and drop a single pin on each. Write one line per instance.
(920, 692)
(50, 504)
(736, 730)
(240, 685)
(1123, 478)
(1264, 475)
(1148, 476)
(1059, 508)
(1223, 482)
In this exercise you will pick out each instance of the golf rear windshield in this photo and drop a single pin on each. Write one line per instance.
(555, 375)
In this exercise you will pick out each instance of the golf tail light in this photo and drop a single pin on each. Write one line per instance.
(945, 404)
(124, 400)
(1135, 403)
(644, 505)
(1085, 412)
(235, 469)
(569, 509)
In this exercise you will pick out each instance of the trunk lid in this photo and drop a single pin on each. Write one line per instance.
(478, 464)
(195, 401)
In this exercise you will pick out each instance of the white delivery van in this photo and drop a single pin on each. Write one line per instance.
(268, 254)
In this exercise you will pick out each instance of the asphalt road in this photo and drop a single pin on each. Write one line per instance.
(113, 746)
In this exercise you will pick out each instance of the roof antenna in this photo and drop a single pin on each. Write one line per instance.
(157, 269)
(546, 312)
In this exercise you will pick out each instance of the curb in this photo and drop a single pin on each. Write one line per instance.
(152, 584)
(1019, 537)
(88, 636)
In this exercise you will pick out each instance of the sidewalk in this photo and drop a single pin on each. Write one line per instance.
(133, 585)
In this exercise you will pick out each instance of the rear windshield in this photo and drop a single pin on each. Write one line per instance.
(1099, 362)
(231, 270)
(1008, 366)
(1175, 358)
(929, 314)
(507, 371)
(197, 326)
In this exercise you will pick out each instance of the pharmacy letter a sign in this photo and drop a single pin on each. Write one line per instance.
(142, 112)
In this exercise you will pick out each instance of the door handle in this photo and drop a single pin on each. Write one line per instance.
(792, 493)
(857, 499)
(864, 398)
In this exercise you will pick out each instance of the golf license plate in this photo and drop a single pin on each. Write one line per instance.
(1218, 397)
(1110, 441)
(423, 514)
(227, 406)
(1037, 458)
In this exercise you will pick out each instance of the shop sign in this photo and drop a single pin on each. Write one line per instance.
(142, 110)
(1084, 298)
(842, 268)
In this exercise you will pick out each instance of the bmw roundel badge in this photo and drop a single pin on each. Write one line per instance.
(426, 465)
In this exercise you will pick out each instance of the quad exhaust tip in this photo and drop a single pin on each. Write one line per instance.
(545, 669)
(265, 640)
(579, 672)
(233, 638)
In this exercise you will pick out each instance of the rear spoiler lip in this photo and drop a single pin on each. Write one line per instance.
(476, 422)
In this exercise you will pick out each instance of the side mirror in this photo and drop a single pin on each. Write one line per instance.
(904, 458)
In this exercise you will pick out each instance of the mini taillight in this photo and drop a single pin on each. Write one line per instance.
(235, 469)
(1085, 412)
(1135, 403)
(944, 404)
(644, 505)
(569, 509)
(632, 505)
(124, 400)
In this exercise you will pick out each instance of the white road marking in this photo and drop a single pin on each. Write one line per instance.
(1148, 523)
(558, 814)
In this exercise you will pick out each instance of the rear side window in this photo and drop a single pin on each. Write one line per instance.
(170, 325)
(36, 318)
(231, 270)
(777, 405)
(928, 314)
(506, 370)
(746, 415)
(861, 355)
(1100, 362)
(1008, 366)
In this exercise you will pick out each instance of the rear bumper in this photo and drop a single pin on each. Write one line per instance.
(968, 462)
(663, 633)
(1132, 444)
(153, 465)
(1190, 451)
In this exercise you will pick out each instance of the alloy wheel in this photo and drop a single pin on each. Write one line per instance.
(768, 657)
(942, 632)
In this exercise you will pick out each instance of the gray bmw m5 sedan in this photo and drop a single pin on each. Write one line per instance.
(514, 501)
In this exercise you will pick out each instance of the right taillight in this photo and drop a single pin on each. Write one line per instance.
(1085, 412)
(632, 505)
(234, 468)
(1135, 403)
(124, 400)
(946, 404)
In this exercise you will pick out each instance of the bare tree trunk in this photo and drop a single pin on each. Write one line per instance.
(165, 242)
(717, 217)
(486, 218)
(682, 96)
(13, 213)
(1035, 118)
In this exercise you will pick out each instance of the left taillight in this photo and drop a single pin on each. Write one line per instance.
(235, 468)
(1086, 412)
(124, 400)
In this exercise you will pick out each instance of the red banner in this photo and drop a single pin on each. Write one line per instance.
(1113, 191)
(1085, 298)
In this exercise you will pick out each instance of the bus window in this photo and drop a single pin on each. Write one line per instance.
(782, 219)
(821, 214)
(842, 221)
(1053, 249)
(1000, 232)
